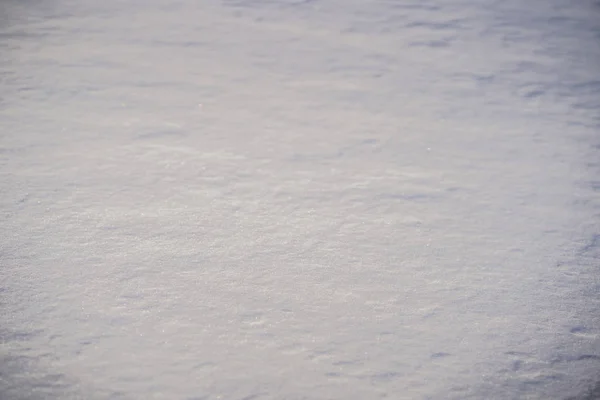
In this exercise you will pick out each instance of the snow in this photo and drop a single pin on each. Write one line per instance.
(375, 199)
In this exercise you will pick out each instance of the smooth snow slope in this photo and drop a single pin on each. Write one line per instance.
(277, 199)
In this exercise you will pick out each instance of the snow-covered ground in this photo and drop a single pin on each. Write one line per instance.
(287, 199)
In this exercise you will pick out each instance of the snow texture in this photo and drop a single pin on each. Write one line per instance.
(287, 199)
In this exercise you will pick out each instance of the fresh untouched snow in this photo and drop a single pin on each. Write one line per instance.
(279, 199)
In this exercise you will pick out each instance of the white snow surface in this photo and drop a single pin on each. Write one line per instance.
(286, 199)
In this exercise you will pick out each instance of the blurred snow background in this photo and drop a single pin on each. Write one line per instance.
(286, 199)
